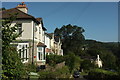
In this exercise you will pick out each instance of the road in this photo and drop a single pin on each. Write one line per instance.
(81, 78)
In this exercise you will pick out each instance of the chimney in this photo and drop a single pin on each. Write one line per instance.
(22, 7)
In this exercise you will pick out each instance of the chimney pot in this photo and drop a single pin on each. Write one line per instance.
(22, 7)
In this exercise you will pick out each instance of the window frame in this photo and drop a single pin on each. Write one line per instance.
(40, 54)
(23, 48)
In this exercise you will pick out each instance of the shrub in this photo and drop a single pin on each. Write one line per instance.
(59, 73)
(72, 61)
(99, 74)
(31, 68)
(52, 59)
(87, 65)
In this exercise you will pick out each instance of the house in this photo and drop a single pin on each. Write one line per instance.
(48, 44)
(58, 44)
(98, 62)
(55, 44)
(31, 43)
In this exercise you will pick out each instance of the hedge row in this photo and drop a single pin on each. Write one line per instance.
(100, 74)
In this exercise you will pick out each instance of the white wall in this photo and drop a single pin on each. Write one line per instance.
(27, 27)
(52, 42)
(47, 41)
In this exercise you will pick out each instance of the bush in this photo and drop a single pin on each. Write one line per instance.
(52, 59)
(87, 65)
(31, 68)
(72, 61)
(99, 74)
(59, 73)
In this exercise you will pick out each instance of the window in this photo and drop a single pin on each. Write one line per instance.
(26, 52)
(23, 51)
(19, 30)
(40, 54)
(39, 30)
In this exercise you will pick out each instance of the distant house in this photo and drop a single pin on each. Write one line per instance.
(58, 44)
(48, 44)
(98, 62)
(31, 43)
(55, 44)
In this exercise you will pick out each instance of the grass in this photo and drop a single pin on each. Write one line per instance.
(83, 73)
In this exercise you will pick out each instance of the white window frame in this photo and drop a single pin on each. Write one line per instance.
(20, 46)
(41, 54)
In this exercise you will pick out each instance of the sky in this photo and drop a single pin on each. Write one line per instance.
(98, 19)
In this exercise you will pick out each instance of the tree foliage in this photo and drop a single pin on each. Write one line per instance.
(12, 65)
(72, 61)
(72, 38)
(107, 52)
(87, 65)
(109, 59)
(52, 59)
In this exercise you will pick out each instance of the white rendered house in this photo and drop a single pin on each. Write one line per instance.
(31, 43)
(98, 62)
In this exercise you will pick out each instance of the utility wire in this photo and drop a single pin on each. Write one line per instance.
(80, 13)
(57, 9)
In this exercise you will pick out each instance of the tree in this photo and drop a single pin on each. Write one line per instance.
(72, 38)
(109, 59)
(12, 65)
(1, 9)
(72, 61)
(87, 65)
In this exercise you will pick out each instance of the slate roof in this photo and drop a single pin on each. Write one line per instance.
(20, 15)
(50, 34)
(40, 20)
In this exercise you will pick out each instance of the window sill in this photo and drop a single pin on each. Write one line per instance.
(41, 60)
(25, 61)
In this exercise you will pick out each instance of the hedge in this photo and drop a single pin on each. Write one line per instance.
(100, 74)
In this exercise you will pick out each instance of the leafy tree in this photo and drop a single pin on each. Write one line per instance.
(12, 65)
(109, 59)
(52, 59)
(72, 38)
(87, 65)
(2, 9)
(72, 61)
(107, 51)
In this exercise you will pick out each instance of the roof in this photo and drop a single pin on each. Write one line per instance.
(41, 44)
(48, 50)
(20, 15)
(47, 34)
(50, 34)
(40, 20)
(56, 38)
